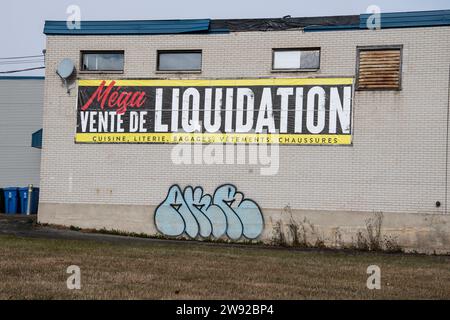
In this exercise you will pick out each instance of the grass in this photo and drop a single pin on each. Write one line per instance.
(36, 269)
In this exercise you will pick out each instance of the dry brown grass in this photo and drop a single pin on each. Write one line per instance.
(36, 269)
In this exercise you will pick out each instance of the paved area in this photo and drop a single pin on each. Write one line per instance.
(26, 226)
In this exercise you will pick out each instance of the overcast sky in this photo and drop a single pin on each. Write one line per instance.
(22, 22)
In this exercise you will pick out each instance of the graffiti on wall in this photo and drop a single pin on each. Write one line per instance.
(197, 215)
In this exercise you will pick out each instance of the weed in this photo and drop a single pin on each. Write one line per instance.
(373, 227)
(391, 245)
(278, 236)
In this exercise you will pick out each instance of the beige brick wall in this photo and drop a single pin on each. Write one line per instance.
(397, 162)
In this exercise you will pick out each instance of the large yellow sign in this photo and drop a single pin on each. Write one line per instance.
(237, 111)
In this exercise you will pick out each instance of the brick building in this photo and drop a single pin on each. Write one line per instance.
(377, 100)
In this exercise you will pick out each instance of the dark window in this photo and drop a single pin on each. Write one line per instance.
(102, 61)
(180, 60)
(379, 68)
(296, 59)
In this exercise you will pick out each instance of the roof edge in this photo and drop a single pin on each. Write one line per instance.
(388, 20)
(119, 27)
(22, 78)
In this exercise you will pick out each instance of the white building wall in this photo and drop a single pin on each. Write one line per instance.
(21, 104)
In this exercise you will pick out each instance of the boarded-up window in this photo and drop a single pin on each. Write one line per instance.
(379, 68)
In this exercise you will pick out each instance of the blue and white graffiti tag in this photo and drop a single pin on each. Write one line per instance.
(198, 215)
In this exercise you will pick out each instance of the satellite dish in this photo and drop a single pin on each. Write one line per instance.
(65, 68)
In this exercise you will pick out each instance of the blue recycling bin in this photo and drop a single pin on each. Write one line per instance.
(2, 201)
(23, 194)
(11, 200)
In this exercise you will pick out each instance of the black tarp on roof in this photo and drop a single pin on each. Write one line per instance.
(286, 23)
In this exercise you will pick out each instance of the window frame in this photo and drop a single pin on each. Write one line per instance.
(83, 52)
(375, 48)
(159, 52)
(296, 69)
